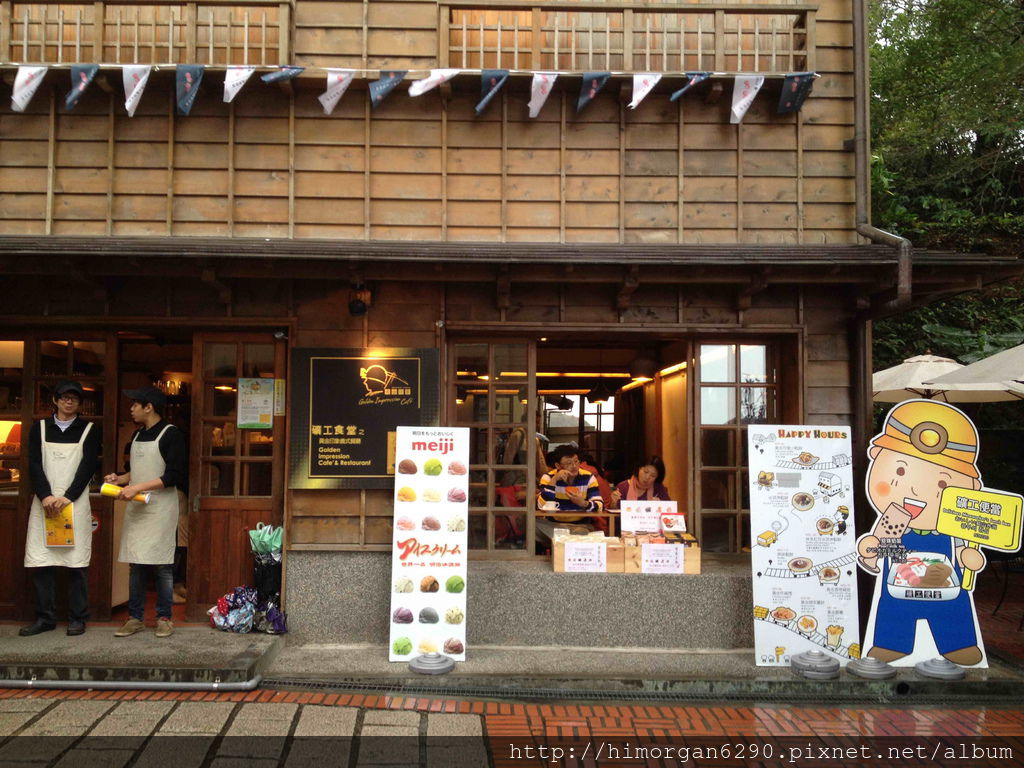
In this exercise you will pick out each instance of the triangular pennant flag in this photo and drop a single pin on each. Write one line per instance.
(234, 79)
(135, 79)
(189, 76)
(283, 74)
(643, 83)
(744, 90)
(692, 78)
(379, 89)
(593, 82)
(431, 81)
(338, 81)
(795, 90)
(491, 81)
(81, 76)
(540, 89)
(26, 83)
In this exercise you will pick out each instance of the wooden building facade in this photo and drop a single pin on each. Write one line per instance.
(204, 247)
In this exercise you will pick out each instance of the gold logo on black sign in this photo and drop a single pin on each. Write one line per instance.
(378, 380)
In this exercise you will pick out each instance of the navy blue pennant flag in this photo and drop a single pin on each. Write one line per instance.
(284, 73)
(795, 90)
(81, 76)
(593, 82)
(692, 78)
(379, 89)
(491, 81)
(189, 76)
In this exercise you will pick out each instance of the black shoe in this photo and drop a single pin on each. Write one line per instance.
(76, 628)
(35, 628)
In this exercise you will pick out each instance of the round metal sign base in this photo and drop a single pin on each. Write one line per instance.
(432, 664)
(871, 669)
(940, 669)
(815, 665)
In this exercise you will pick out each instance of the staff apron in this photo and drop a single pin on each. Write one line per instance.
(60, 463)
(149, 532)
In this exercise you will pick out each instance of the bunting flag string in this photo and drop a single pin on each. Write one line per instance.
(491, 81)
(283, 74)
(188, 77)
(540, 89)
(26, 83)
(744, 90)
(338, 81)
(592, 84)
(234, 79)
(135, 79)
(379, 89)
(643, 84)
(795, 90)
(431, 81)
(692, 79)
(81, 76)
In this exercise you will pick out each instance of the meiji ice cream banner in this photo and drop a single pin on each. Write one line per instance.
(429, 543)
(802, 548)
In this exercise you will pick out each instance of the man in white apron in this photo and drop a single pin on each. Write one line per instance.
(64, 453)
(159, 466)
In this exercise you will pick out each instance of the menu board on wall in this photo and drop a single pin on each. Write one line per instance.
(803, 548)
(429, 553)
(346, 406)
(255, 404)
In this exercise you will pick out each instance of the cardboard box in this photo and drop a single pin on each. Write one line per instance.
(634, 560)
(626, 558)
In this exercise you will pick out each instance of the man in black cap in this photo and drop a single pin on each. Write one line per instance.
(159, 465)
(63, 454)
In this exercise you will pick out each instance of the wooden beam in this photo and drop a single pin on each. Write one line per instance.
(630, 282)
(503, 289)
(209, 276)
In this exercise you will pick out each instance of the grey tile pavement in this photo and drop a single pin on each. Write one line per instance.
(197, 718)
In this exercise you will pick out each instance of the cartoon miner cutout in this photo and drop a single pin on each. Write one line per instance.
(926, 446)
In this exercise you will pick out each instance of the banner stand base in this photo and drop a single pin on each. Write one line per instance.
(432, 664)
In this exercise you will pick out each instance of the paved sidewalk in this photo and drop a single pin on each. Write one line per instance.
(261, 729)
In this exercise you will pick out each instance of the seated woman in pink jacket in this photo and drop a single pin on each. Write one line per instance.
(646, 483)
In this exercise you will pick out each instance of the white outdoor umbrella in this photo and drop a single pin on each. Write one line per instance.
(915, 377)
(1003, 372)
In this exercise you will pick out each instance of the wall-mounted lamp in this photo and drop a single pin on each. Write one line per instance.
(360, 298)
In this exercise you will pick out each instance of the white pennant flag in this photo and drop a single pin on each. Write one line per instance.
(434, 79)
(744, 89)
(540, 89)
(26, 83)
(338, 81)
(135, 79)
(643, 83)
(234, 79)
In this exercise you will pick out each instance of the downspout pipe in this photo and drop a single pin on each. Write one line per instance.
(862, 155)
(129, 685)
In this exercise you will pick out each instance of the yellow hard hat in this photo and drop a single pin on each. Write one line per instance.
(933, 431)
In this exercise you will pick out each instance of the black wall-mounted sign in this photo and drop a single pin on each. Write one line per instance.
(345, 406)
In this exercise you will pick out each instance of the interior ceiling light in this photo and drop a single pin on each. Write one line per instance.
(643, 367)
(599, 394)
(561, 402)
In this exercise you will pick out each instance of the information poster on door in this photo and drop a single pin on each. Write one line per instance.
(255, 404)
(346, 406)
(803, 548)
(429, 543)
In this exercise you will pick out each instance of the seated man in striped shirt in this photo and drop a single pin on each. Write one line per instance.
(571, 488)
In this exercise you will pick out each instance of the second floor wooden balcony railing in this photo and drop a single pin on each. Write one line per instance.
(254, 32)
(630, 37)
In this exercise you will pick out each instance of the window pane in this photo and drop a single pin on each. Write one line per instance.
(717, 490)
(478, 488)
(717, 405)
(257, 442)
(509, 531)
(463, 406)
(478, 531)
(12, 361)
(259, 361)
(87, 358)
(257, 479)
(510, 361)
(219, 479)
(756, 405)
(220, 360)
(714, 533)
(478, 445)
(92, 404)
(508, 406)
(53, 358)
(753, 363)
(221, 400)
(10, 440)
(744, 540)
(717, 448)
(213, 440)
(717, 362)
(479, 400)
(470, 361)
(745, 490)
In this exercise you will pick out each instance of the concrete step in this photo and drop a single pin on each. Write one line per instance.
(190, 655)
(550, 672)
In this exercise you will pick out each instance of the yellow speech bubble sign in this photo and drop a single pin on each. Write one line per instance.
(990, 519)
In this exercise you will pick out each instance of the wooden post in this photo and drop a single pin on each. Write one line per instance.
(627, 39)
(51, 159)
(537, 42)
(99, 30)
(443, 35)
(170, 163)
(291, 164)
(284, 40)
(110, 164)
(5, 28)
(810, 42)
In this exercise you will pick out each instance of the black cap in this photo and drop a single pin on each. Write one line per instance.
(147, 396)
(69, 386)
